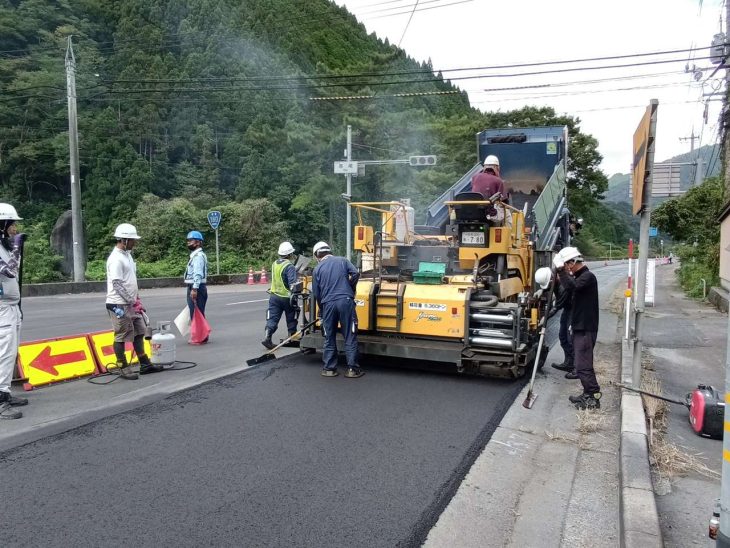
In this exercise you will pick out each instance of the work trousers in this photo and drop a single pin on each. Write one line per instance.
(566, 342)
(10, 320)
(341, 311)
(583, 344)
(201, 300)
(277, 307)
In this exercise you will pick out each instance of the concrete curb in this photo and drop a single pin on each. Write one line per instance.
(719, 298)
(639, 519)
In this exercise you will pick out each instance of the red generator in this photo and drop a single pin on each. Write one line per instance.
(706, 411)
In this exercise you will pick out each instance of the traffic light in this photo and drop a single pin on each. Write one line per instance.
(421, 161)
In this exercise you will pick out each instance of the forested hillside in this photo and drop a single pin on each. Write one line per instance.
(239, 105)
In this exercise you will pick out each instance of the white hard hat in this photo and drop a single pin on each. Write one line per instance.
(320, 246)
(286, 249)
(491, 160)
(125, 231)
(570, 254)
(8, 213)
(542, 276)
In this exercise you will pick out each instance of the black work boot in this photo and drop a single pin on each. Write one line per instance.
(16, 401)
(126, 371)
(354, 372)
(572, 375)
(587, 401)
(267, 342)
(294, 342)
(6, 410)
(146, 366)
(567, 365)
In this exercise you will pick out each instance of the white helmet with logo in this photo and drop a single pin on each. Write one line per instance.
(285, 249)
(571, 254)
(125, 231)
(491, 160)
(319, 247)
(543, 276)
(8, 213)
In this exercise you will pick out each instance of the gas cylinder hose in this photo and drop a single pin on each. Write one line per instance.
(114, 372)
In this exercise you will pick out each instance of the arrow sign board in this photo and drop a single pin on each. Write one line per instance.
(214, 219)
(53, 360)
(102, 345)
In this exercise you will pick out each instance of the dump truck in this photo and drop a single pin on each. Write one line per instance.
(459, 289)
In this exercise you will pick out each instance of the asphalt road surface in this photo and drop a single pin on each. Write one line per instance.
(272, 456)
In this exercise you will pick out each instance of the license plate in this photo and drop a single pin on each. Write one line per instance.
(472, 238)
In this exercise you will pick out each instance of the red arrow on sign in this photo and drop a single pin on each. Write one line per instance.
(109, 350)
(47, 362)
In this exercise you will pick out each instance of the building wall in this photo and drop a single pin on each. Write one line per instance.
(725, 253)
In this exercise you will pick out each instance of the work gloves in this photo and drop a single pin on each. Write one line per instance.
(19, 240)
(137, 306)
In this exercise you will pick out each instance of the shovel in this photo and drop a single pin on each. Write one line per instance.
(531, 396)
(270, 354)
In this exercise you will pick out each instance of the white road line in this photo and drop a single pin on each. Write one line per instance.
(246, 302)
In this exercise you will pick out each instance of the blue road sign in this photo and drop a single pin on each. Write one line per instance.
(653, 232)
(214, 218)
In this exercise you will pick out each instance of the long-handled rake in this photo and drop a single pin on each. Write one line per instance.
(270, 354)
(531, 396)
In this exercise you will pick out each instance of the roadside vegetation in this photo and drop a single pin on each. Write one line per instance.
(692, 221)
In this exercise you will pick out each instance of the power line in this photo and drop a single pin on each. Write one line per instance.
(410, 18)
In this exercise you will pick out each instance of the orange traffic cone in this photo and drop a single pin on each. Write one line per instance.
(250, 276)
(263, 276)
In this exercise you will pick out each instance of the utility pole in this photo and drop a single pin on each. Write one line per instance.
(77, 227)
(348, 154)
(691, 140)
(723, 536)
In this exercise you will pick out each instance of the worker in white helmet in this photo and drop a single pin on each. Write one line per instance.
(11, 246)
(488, 181)
(333, 286)
(123, 304)
(283, 285)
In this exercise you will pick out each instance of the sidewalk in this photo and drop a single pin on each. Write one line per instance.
(686, 341)
(549, 475)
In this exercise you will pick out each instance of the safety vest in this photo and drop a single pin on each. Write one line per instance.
(277, 279)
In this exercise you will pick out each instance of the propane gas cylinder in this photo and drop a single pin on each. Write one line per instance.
(163, 345)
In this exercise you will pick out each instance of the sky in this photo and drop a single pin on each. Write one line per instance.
(485, 33)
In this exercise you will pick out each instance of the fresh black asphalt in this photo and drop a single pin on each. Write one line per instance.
(273, 456)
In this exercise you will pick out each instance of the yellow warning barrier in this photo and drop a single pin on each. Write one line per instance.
(102, 344)
(54, 360)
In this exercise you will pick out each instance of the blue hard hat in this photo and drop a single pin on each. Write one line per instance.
(194, 235)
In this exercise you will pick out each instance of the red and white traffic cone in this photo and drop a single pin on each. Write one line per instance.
(263, 276)
(250, 276)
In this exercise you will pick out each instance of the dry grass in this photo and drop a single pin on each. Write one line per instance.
(672, 460)
(561, 436)
(591, 421)
(617, 300)
(669, 460)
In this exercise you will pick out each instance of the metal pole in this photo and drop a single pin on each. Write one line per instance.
(723, 536)
(643, 250)
(77, 227)
(349, 194)
(217, 255)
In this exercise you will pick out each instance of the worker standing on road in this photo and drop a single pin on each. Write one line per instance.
(574, 275)
(123, 305)
(196, 273)
(283, 281)
(333, 285)
(488, 182)
(564, 302)
(11, 244)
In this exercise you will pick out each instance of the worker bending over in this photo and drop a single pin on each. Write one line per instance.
(333, 285)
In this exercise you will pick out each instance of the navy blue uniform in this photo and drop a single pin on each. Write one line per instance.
(333, 286)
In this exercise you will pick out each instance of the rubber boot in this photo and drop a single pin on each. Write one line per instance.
(267, 342)
(6, 410)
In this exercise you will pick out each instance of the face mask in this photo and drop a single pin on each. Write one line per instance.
(192, 247)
